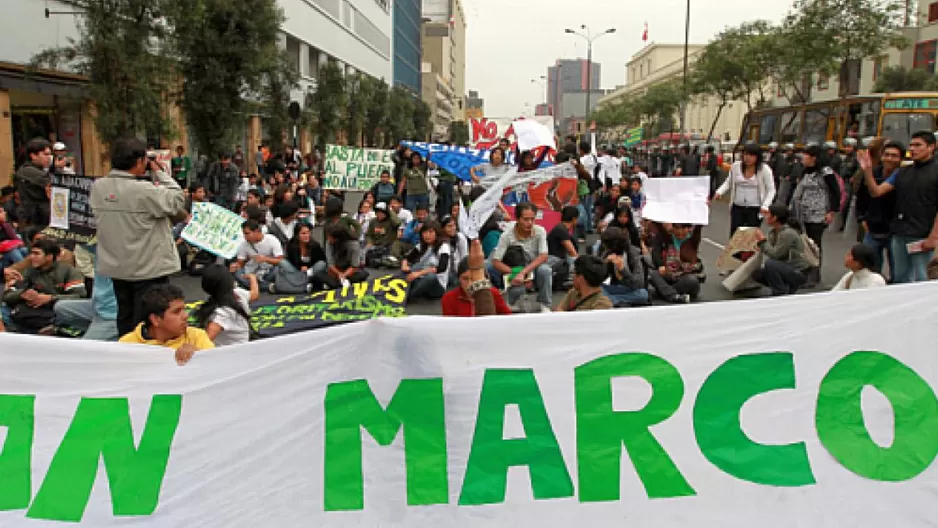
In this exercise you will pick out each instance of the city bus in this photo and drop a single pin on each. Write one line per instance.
(894, 115)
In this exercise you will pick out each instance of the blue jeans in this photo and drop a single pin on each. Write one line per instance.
(585, 222)
(621, 295)
(446, 200)
(12, 257)
(413, 200)
(79, 314)
(909, 268)
(881, 245)
(543, 281)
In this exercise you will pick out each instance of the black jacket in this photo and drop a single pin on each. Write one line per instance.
(916, 200)
(876, 212)
(316, 254)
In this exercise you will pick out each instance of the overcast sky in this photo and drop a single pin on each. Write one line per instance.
(510, 42)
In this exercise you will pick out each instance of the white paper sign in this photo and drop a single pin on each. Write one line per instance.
(59, 207)
(532, 134)
(483, 208)
(677, 200)
(747, 414)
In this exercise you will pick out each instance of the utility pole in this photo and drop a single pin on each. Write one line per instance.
(686, 46)
(589, 60)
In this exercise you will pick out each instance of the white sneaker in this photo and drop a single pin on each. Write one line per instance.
(546, 309)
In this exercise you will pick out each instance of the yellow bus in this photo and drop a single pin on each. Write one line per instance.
(894, 115)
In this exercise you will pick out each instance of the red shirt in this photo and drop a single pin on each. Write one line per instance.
(457, 304)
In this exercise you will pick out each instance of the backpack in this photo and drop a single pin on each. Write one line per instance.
(843, 192)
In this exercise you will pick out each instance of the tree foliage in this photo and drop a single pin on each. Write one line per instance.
(121, 50)
(423, 120)
(459, 132)
(377, 113)
(224, 51)
(400, 122)
(900, 79)
(274, 97)
(330, 102)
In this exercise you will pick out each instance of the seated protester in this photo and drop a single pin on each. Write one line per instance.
(449, 232)
(785, 265)
(637, 200)
(343, 256)
(33, 235)
(380, 237)
(12, 248)
(609, 203)
(335, 215)
(258, 213)
(196, 195)
(427, 265)
(674, 256)
(460, 302)
(166, 324)
(304, 253)
(285, 222)
(364, 217)
(861, 261)
(522, 252)
(95, 317)
(226, 314)
(258, 255)
(490, 234)
(29, 304)
(397, 208)
(561, 246)
(626, 283)
(409, 235)
(384, 190)
(589, 272)
(624, 220)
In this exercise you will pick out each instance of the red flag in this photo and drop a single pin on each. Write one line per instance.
(645, 33)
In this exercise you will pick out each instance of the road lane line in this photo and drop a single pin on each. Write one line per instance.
(721, 247)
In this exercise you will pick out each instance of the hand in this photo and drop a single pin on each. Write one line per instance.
(662, 271)
(930, 243)
(411, 277)
(40, 300)
(866, 163)
(476, 256)
(260, 259)
(717, 196)
(828, 218)
(29, 295)
(304, 269)
(184, 354)
(760, 236)
(518, 280)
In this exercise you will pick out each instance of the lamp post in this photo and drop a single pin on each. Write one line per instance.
(686, 44)
(590, 38)
(542, 80)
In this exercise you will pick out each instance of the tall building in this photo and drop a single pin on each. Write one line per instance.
(444, 48)
(570, 75)
(475, 106)
(406, 21)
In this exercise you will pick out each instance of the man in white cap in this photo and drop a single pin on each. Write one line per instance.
(832, 157)
(62, 162)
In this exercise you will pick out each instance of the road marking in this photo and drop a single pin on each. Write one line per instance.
(721, 247)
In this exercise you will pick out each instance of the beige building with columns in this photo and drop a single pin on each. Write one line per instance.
(444, 54)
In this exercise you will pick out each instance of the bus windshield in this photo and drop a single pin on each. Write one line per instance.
(900, 127)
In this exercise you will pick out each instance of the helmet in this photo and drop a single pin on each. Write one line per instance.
(789, 146)
(867, 141)
(773, 145)
(850, 142)
(830, 145)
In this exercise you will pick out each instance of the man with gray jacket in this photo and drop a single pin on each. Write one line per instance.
(135, 207)
(223, 181)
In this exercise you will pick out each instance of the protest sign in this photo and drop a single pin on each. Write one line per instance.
(677, 200)
(354, 168)
(633, 136)
(70, 215)
(485, 132)
(532, 134)
(743, 244)
(214, 229)
(735, 421)
(454, 159)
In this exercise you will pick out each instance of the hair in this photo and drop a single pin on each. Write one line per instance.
(385, 171)
(218, 283)
(431, 225)
(497, 149)
(256, 213)
(569, 213)
(338, 232)
(893, 145)
(255, 193)
(251, 225)
(522, 207)
(585, 146)
(126, 152)
(415, 154)
(630, 228)
(865, 255)
(561, 157)
(591, 268)
(615, 240)
(926, 136)
(195, 187)
(784, 216)
(157, 298)
(334, 207)
(421, 207)
(281, 192)
(287, 209)
(48, 247)
(8, 190)
(754, 149)
(37, 145)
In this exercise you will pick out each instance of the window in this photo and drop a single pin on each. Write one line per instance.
(925, 56)
(781, 93)
(767, 129)
(791, 128)
(823, 81)
(879, 64)
(815, 125)
(370, 33)
(293, 53)
(900, 127)
(932, 12)
(313, 62)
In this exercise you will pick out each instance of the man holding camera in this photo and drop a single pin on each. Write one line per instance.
(135, 207)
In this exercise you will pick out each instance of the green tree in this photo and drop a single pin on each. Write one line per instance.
(400, 122)
(659, 105)
(361, 88)
(121, 48)
(900, 79)
(274, 97)
(377, 113)
(423, 120)
(329, 103)
(459, 132)
(223, 49)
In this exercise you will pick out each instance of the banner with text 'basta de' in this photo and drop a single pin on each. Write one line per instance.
(725, 415)
(355, 168)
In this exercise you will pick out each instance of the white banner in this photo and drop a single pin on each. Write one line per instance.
(485, 132)
(725, 415)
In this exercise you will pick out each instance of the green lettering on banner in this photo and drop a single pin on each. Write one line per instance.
(330, 167)
(602, 431)
(840, 425)
(372, 156)
(101, 429)
(491, 455)
(417, 406)
(717, 423)
(17, 416)
(357, 154)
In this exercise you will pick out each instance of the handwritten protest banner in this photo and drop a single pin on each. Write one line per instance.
(354, 168)
(70, 215)
(214, 229)
(380, 297)
(492, 422)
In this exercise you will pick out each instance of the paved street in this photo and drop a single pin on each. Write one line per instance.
(716, 235)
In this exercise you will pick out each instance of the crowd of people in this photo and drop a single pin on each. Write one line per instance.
(120, 287)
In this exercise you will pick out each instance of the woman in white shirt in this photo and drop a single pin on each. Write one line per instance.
(226, 315)
(861, 261)
(751, 189)
(427, 266)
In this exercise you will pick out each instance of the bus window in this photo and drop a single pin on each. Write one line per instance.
(869, 119)
(816, 125)
(767, 129)
(791, 128)
(900, 127)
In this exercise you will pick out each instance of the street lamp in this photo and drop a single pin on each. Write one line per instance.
(686, 44)
(542, 81)
(589, 58)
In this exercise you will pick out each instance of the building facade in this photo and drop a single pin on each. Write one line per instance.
(406, 44)
(444, 47)
(439, 97)
(570, 75)
(573, 110)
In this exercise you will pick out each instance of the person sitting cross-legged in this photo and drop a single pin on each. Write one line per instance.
(589, 272)
(259, 255)
(784, 271)
(676, 263)
(861, 263)
(343, 259)
(522, 250)
(626, 283)
(166, 324)
(30, 303)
